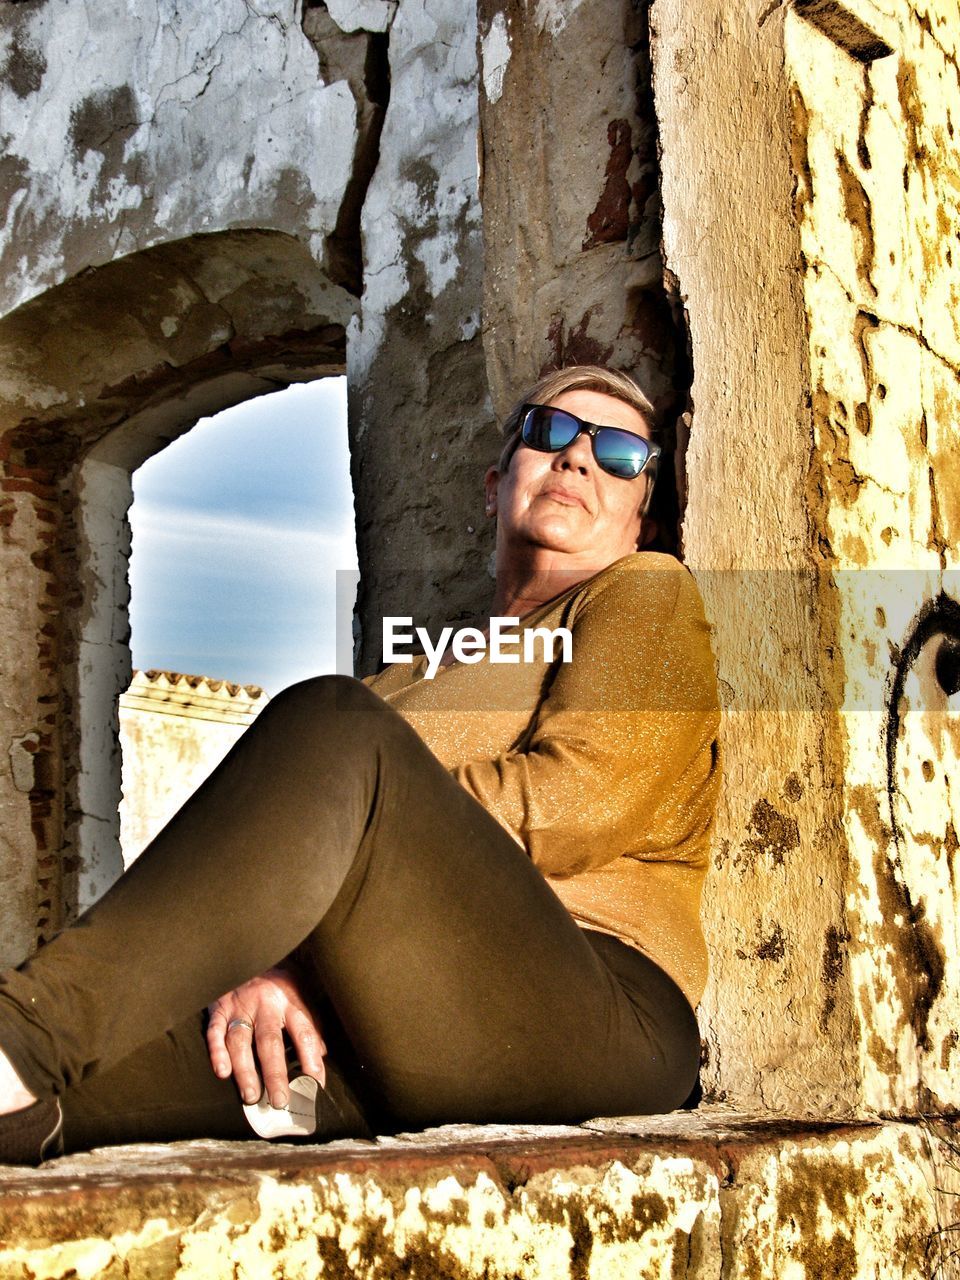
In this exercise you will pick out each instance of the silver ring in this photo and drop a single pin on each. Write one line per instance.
(239, 1022)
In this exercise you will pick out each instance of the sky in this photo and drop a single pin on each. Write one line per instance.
(239, 529)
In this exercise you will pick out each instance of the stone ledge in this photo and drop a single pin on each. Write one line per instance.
(712, 1194)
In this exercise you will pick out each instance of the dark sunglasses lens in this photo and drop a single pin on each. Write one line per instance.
(549, 429)
(621, 452)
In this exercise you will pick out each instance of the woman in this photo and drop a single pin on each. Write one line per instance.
(484, 887)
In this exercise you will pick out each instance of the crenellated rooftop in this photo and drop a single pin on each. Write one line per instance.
(172, 693)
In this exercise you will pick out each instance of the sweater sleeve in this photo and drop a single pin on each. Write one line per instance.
(613, 748)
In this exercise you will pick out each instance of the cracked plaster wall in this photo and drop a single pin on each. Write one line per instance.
(115, 123)
(811, 227)
(879, 214)
(422, 430)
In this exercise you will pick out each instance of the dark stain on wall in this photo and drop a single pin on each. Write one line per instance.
(792, 787)
(573, 344)
(833, 961)
(947, 1048)
(859, 211)
(772, 948)
(863, 149)
(774, 833)
(840, 1189)
(582, 1246)
(23, 67)
(103, 122)
(610, 220)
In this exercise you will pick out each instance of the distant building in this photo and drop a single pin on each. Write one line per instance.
(174, 730)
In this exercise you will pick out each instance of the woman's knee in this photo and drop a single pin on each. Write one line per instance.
(324, 708)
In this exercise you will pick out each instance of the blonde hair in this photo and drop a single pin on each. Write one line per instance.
(579, 377)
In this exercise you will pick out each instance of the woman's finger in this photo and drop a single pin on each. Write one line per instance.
(216, 1045)
(273, 1060)
(308, 1043)
(239, 1041)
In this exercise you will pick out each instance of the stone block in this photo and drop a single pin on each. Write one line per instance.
(706, 1196)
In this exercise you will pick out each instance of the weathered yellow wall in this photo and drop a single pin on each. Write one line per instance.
(776, 1017)
(810, 185)
(878, 204)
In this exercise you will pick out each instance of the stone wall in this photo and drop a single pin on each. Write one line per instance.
(815, 522)
(713, 1196)
(878, 211)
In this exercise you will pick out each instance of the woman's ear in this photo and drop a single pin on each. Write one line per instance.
(490, 482)
(649, 529)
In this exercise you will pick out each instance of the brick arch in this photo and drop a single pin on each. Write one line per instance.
(97, 375)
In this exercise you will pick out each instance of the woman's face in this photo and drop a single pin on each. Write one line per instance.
(563, 502)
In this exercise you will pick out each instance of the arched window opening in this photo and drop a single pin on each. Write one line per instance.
(239, 530)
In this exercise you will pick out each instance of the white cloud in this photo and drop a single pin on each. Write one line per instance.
(184, 526)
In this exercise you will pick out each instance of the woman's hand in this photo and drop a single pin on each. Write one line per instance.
(257, 1013)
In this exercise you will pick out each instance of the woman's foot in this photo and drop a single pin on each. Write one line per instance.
(327, 1113)
(33, 1134)
(31, 1130)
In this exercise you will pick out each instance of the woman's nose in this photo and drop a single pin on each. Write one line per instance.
(577, 456)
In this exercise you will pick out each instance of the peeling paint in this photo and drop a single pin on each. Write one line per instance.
(495, 57)
(551, 16)
(136, 104)
(362, 15)
(22, 753)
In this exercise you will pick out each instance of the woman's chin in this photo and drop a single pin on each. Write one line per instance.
(561, 532)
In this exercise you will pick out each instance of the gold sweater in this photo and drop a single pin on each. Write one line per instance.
(605, 769)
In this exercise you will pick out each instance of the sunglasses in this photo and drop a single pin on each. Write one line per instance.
(620, 453)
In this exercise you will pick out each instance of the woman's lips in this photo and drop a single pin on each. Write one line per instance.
(564, 496)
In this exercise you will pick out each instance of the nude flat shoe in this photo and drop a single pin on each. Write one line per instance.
(311, 1112)
(33, 1134)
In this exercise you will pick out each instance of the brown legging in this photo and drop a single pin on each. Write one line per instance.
(456, 987)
